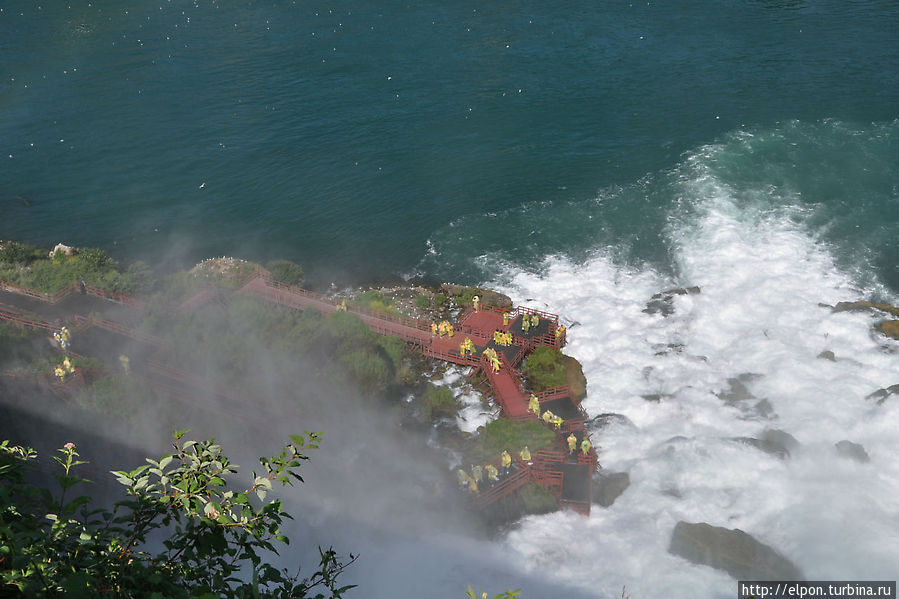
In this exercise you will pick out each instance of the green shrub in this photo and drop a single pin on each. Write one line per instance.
(544, 368)
(349, 329)
(440, 400)
(115, 395)
(537, 499)
(422, 301)
(393, 347)
(287, 272)
(439, 300)
(368, 369)
(375, 300)
(13, 252)
(512, 435)
(184, 529)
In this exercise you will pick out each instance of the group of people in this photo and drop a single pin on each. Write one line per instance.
(493, 357)
(467, 347)
(556, 421)
(501, 338)
(442, 329)
(63, 370)
(528, 321)
(63, 337)
(585, 444)
(488, 473)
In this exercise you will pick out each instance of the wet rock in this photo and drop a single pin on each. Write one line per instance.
(487, 296)
(852, 451)
(608, 486)
(574, 377)
(653, 397)
(881, 395)
(733, 551)
(663, 303)
(609, 419)
(827, 355)
(764, 409)
(737, 390)
(866, 307)
(664, 349)
(772, 441)
(890, 328)
(66, 250)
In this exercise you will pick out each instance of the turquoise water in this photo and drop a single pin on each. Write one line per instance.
(578, 156)
(376, 141)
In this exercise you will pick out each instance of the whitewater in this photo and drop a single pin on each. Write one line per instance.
(762, 317)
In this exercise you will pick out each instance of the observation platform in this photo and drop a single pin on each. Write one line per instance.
(567, 475)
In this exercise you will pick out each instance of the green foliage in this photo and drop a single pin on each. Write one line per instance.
(29, 268)
(375, 300)
(216, 540)
(436, 400)
(368, 369)
(394, 348)
(423, 301)
(13, 252)
(511, 435)
(440, 399)
(537, 499)
(545, 368)
(115, 395)
(287, 272)
(439, 300)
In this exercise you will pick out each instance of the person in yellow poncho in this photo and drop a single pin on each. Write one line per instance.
(505, 461)
(534, 405)
(572, 443)
(525, 454)
(586, 446)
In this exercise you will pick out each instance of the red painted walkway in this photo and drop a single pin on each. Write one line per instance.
(568, 480)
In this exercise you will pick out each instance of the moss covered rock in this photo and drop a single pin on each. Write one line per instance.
(733, 551)
(890, 328)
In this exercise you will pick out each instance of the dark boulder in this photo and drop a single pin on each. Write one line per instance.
(881, 395)
(772, 441)
(607, 487)
(852, 451)
(733, 551)
(663, 303)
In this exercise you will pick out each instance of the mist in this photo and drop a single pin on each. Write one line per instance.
(374, 488)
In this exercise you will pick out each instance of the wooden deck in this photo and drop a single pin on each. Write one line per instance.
(568, 476)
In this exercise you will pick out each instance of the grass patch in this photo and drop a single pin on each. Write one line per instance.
(545, 368)
(511, 435)
(537, 499)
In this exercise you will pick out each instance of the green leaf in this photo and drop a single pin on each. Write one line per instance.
(179, 434)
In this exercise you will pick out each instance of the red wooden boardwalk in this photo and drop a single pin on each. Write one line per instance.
(568, 478)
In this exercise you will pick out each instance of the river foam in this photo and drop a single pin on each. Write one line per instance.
(760, 319)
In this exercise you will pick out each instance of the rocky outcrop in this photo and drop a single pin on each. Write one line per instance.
(737, 390)
(827, 355)
(863, 306)
(663, 303)
(67, 250)
(608, 486)
(574, 377)
(773, 441)
(852, 451)
(733, 551)
(890, 328)
(609, 419)
(487, 297)
(881, 395)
